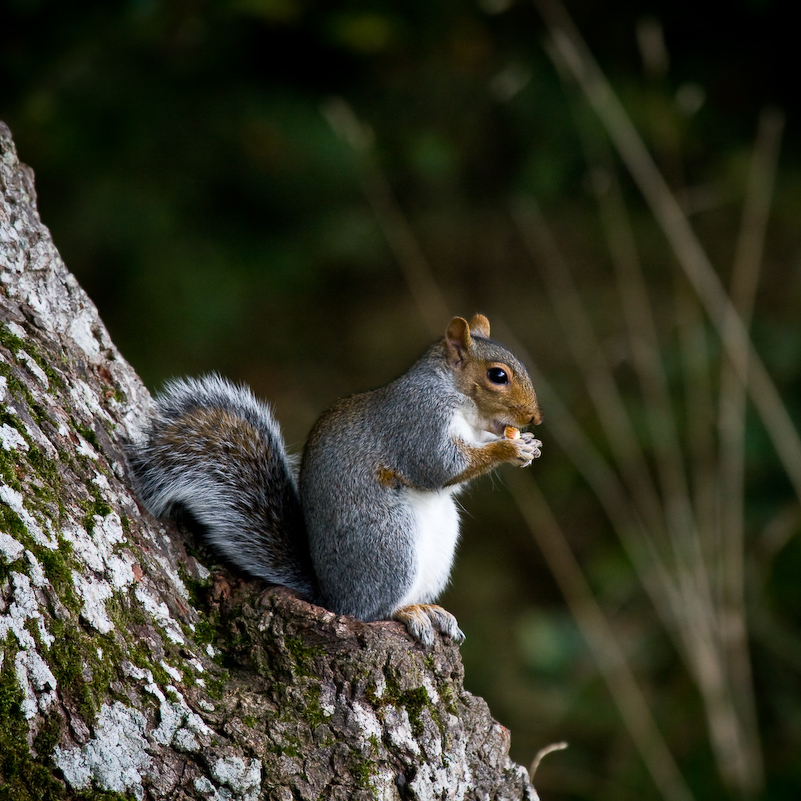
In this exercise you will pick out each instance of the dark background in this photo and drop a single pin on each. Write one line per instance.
(187, 168)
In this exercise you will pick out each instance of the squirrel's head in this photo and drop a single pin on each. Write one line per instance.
(490, 376)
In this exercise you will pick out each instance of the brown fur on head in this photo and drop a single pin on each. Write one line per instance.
(490, 375)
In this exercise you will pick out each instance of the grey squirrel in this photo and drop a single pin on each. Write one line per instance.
(370, 527)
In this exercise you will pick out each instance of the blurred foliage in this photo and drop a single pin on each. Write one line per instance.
(192, 182)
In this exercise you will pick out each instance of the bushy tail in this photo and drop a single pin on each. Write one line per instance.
(217, 452)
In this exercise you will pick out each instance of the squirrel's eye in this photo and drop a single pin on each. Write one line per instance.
(497, 375)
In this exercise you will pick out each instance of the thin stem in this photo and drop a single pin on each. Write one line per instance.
(541, 754)
(581, 340)
(732, 424)
(644, 343)
(402, 241)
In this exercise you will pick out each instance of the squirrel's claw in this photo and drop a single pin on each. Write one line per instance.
(444, 622)
(529, 448)
(421, 620)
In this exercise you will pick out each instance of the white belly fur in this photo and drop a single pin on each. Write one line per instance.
(437, 530)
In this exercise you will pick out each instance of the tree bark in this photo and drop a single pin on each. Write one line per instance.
(126, 667)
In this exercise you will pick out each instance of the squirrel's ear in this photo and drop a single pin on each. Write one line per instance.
(479, 326)
(457, 340)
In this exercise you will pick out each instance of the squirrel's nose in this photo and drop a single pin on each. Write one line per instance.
(536, 418)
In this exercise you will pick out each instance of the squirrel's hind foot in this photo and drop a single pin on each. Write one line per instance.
(421, 620)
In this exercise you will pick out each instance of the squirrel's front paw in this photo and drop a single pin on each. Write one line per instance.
(421, 620)
(528, 449)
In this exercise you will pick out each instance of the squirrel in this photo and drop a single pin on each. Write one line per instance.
(369, 527)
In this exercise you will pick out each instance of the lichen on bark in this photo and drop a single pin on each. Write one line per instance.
(127, 669)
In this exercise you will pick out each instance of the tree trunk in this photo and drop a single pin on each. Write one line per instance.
(125, 666)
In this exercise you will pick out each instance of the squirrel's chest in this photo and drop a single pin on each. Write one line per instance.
(436, 531)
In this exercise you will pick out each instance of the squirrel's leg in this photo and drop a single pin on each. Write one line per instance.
(421, 620)
(483, 458)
